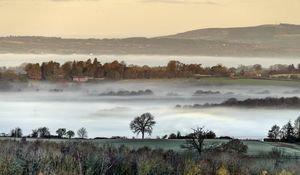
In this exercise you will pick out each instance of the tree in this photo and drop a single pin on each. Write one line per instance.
(143, 124)
(297, 127)
(34, 133)
(43, 132)
(178, 136)
(172, 136)
(288, 132)
(70, 134)
(33, 71)
(17, 132)
(164, 137)
(61, 132)
(82, 133)
(274, 132)
(195, 140)
(210, 135)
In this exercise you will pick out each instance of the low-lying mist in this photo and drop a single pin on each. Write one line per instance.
(73, 105)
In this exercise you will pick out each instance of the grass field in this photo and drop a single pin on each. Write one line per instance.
(242, 81)
(221, 81)
(254, 147)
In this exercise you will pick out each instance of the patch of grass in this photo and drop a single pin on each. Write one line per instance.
(218, 81)
(254, 147)
(229, 81)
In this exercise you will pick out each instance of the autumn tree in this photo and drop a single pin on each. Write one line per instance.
(143, 124)
(219, 70)
(33, 71)
(67, 70)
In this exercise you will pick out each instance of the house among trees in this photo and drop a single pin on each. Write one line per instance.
(82, 78)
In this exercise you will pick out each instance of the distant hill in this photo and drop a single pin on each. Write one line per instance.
(265, 40)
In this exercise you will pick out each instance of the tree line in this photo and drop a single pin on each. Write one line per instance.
(284, 102)
(44, 132)
(54, 71)
(290, 132)
(230, 157)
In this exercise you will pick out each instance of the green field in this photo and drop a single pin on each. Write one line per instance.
(220, 81)
(254, 147)
(243, 81)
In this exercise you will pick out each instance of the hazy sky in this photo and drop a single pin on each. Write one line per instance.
(124, 18)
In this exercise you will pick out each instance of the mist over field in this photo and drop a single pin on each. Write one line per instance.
(149, 87)
(73, 105)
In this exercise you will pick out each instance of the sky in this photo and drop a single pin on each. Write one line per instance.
(137, 18)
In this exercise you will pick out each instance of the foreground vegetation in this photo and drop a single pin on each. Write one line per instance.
(195, 153)
(85, 157)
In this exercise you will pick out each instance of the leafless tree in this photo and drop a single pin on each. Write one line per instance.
(82, 133)
(195, 140)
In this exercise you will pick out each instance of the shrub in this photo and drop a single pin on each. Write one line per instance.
(222, 171)
(191, 168)
(285, 172)
(154, 165)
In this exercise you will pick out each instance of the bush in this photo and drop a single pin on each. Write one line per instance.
(285, 172)
(191, 168)
(155, 166)
(222, 171)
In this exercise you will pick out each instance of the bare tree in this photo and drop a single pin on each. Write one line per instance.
(82, 133)
(143, 124)
(195, 140)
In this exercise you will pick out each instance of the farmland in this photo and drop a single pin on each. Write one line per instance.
(255, 147)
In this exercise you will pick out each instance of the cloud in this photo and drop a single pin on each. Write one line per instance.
(203, 2)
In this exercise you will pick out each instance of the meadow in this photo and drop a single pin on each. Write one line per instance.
(255, 147)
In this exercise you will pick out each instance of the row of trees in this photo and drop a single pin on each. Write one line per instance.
(142, 124)
(115, 70)
(284, 102)
(53, 71)
(119, 70)
(287, 133)
(44, 132)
